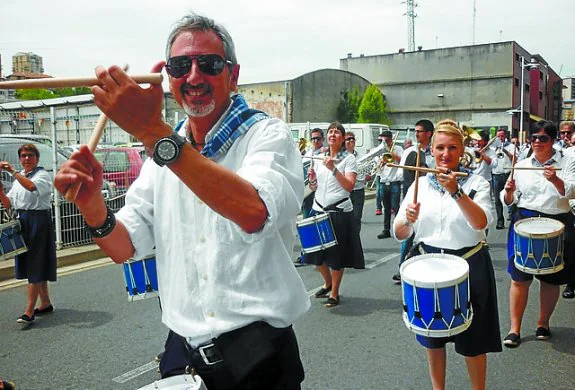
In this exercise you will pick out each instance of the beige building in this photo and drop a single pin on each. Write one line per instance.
(27, 63)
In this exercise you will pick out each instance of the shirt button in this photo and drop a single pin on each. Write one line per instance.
(205, 277)
(211, 314)
(202, 239)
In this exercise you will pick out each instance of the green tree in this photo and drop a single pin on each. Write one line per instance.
(36, 94)
(373, 107)
(348, 106)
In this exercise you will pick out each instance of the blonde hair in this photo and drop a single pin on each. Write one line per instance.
(448, 126)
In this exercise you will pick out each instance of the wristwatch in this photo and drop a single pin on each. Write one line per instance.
(167, 149)
(458, 194)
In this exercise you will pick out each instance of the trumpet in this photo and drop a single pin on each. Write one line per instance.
(478, 153)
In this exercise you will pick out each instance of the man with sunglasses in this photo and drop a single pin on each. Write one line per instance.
(218, 201)
(566, 131)
(500, 172)
(540, 193)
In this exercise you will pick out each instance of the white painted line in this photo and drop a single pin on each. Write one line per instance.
(383, 260)
(136, 372)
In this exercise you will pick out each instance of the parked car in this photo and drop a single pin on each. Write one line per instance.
(121, 165)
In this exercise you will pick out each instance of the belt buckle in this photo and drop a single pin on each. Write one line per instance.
(205, 357)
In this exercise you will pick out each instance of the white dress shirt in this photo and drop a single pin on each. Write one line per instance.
(534, 192)
(429, 160)
(441, 222)
(329, 190)
(484, 169)
(388, 174)
(39, 199)
(213, 276)
(504, 163)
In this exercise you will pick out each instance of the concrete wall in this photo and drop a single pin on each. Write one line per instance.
(268, 97)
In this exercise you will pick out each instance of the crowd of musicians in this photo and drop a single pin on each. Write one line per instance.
(501, 179)
(229, 291)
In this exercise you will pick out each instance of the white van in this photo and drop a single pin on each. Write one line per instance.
(365, 133)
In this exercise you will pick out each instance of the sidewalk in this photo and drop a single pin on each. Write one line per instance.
(78, 255)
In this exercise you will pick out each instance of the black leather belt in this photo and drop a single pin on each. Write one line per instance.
(210, 354)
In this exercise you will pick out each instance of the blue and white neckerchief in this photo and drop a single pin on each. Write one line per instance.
(432, 179)
(551, 161)
(32, 172)
(239, 119)
(340, 155)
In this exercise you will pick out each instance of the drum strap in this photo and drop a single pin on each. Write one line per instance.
(333, 206)
(467, 253)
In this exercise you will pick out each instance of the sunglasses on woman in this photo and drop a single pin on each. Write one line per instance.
(349, 139)
(210, 64)
(542, 138)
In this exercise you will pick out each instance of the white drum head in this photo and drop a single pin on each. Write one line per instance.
(539, 227)
(434, 270)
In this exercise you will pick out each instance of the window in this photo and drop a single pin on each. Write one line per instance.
(527, 87)
(516, 82)
(540, 95)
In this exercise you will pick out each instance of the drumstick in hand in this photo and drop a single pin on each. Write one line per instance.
(417, 161)
(73, 190)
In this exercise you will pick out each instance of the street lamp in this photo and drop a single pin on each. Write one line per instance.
(529, 65)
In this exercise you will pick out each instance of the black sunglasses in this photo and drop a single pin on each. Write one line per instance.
(350, 139)
(565, 132)
(542, 138)
(210, 64)
(315, 138)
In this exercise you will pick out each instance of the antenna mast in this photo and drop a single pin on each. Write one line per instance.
(474, 14)
(410, 24)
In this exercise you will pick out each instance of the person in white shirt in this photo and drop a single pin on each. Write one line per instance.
(218, 201)
(500, 172)
(390, 184)
(450, 216)
(357, 196)
(484, 160)
(543, 193)
(566, 131)
(570, 151)
(333, 180)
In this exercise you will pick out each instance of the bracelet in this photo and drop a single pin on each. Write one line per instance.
(106, 228)
(458, 194)
(313, 183)
(334, 171)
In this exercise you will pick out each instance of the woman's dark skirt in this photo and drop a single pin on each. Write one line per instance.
(39, 263)
(348, 253)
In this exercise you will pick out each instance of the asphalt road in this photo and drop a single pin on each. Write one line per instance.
(96, 338)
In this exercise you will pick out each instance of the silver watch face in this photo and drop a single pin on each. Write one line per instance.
(167, 150)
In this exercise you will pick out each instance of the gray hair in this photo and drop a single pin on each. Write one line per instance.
(195, 22)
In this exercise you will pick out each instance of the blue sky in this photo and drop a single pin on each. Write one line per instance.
(275, 40)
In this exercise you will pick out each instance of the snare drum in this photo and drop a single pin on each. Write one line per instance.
(435, 289)
(316, 233)
(11, 241)
(539, 245)
(141, 278)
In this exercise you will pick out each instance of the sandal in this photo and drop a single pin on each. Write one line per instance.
(322, 292)
(331, 302)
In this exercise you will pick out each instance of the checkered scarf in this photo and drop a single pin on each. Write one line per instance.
(460, 179)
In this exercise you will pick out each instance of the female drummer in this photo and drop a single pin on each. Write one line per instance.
(451, 215)
(30, 197)
(540, 193)
(333, 181)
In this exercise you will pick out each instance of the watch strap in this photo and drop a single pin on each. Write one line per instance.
(458, 194)
(106, 228)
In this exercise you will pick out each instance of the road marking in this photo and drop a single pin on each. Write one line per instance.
(383, 260)
(136, 372)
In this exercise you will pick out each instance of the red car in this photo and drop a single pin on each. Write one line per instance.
(121, 165)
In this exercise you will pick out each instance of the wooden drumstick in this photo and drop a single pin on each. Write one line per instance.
(417, 163)
(150, 78)
(430, 170)
(533, 169)
(73, 190)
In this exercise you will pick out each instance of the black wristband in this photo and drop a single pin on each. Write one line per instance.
(105, 229)
(458, 194)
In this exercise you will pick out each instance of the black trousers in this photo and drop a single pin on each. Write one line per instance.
(256, 357)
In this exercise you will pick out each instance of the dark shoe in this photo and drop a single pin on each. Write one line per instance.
(500, 227)
(322, 292)
(8, 385)
(24, 319)
(384, 234)
(512, 340)
(46, 310)
(396, 278)
(159, 356)
(542, 334)
(569, 292)
(331, 302)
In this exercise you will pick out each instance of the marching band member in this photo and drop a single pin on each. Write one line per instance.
(357, 196)
(451, 216)
(219, 201)
(487, 158)
(500, 172)
(390, 184)
(566, 131)
(539, 193)
(333, 182)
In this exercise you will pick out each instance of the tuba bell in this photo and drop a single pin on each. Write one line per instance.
(466, 159)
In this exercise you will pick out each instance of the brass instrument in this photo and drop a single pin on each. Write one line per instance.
(302, 145)
(388, 156)
(469, 133)
(466, 159)
(478, 153)
(367, 163)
